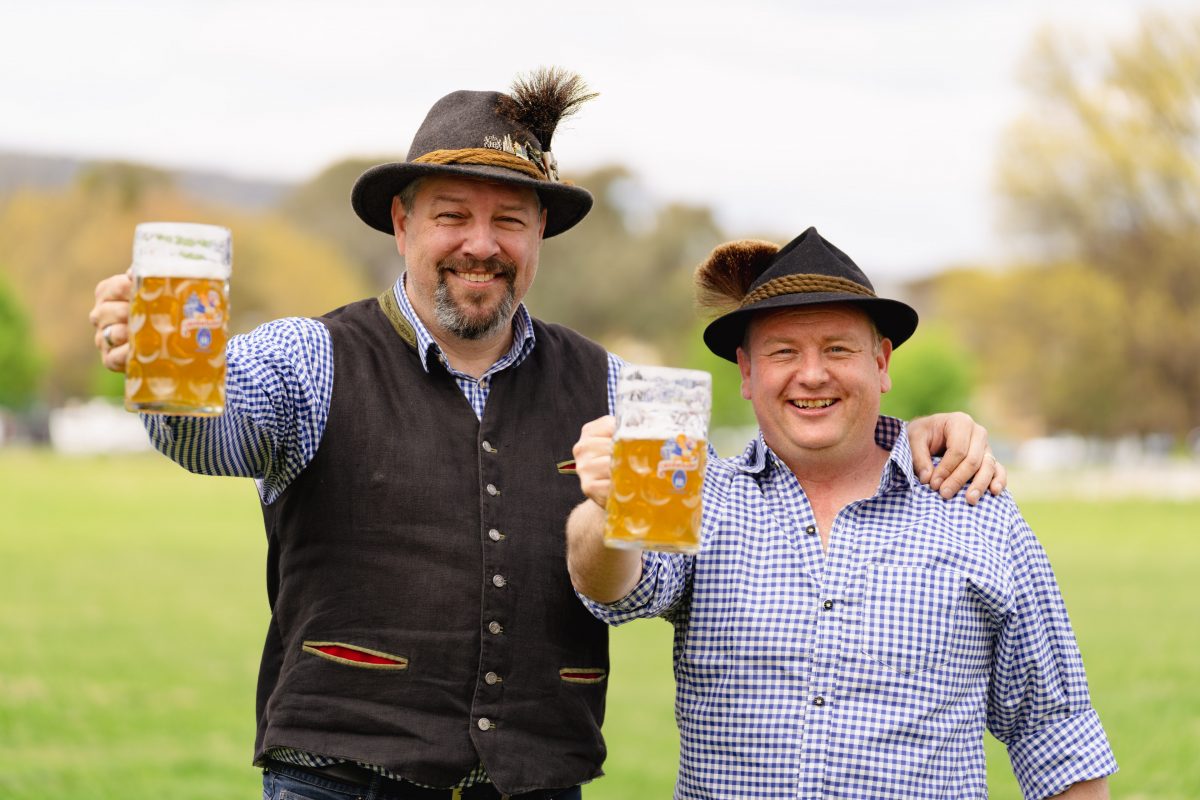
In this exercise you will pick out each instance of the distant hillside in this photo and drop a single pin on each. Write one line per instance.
(19, 170)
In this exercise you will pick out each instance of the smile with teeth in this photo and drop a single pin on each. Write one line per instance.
(824, 403)
(476, 277)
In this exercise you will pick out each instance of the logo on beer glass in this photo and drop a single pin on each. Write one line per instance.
(659, 453)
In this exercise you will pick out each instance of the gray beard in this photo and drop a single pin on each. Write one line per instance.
(451, 317)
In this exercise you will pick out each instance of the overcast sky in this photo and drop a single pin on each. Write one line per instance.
(876, 121)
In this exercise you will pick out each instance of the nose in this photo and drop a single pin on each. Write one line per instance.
(811, 371)
(479, 241)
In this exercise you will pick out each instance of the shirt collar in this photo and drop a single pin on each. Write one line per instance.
(523, 337)
(890, 433)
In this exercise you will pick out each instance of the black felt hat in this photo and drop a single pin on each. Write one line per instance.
(745, 277)
(488, 136)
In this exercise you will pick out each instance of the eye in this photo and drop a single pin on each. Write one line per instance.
(511, 223)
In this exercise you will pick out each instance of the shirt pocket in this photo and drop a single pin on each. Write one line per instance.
(909, 615)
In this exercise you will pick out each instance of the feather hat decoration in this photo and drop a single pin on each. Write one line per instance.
(488, 136)
(724, 279)
(539, 101)
(742, 278)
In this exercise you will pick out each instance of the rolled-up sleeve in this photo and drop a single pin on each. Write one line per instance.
(278, 387)
(1038, 704)
(665, 581)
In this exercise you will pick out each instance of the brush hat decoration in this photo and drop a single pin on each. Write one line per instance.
(488, 136)
(746, 277)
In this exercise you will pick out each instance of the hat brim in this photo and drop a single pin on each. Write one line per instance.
(372, 195)
(896, 321)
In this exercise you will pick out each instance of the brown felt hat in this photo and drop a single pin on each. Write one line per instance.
(746, 277)
(489, 136)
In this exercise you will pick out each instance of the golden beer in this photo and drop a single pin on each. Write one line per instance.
(660, 449)
(655, 497)
(178, 319)
(177, 333)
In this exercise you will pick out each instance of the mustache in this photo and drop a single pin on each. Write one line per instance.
(501, 266)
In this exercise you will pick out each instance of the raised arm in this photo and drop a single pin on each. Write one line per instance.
(598, 572)
(966, 456)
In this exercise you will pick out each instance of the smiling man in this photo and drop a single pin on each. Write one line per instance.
(843, 632)
(425, 641)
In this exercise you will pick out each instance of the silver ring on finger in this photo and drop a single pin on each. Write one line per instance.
(106, 333)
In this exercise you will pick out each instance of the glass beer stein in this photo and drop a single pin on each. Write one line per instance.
(659, 453)
(178, 319)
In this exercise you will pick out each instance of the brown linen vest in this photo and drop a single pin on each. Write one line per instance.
(422, 615)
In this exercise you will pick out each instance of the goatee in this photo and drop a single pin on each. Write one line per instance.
(455, 319)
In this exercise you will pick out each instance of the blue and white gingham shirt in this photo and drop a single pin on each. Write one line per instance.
(278, 386)
(279, 383)
(871, 670)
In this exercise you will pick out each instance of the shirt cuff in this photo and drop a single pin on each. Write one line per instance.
(631, 606)
(1049, 761)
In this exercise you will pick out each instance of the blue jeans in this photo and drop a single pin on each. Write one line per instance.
(295, 784)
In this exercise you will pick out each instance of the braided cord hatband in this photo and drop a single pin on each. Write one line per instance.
(484, 156)
(803, 284)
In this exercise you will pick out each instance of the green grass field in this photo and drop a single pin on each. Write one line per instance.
(132, 611)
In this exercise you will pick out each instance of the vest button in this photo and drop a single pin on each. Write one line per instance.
(487, 446)
(491, 679)
(495, 535)
(492, 490)
(485, 724)
(498, 581)
(495, 627)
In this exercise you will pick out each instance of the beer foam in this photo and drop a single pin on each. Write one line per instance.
(662, 402)
(182, 250)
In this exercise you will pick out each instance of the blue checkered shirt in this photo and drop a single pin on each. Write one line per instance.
(279, 384)
(869, 671)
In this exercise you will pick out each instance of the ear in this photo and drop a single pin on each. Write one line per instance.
(399, 218)
(542, 227)
(882, 360)
(743, 360)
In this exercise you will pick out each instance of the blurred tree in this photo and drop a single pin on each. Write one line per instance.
(626, 271)
(1100, 182)
(729, 408)
(322, 206)
(932, 372)
(19, 364)
(57, 245)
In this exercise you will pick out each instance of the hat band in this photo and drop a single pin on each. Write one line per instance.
(482, 156)
(803, 284)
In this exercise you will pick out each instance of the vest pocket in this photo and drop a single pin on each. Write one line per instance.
(355, 656)
(909, 613)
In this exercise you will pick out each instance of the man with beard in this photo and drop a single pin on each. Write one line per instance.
(425, 640)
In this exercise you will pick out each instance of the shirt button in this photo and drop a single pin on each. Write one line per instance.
(495, 535)
(492, 490)
(498, 581)
(818, 701)
(495, 627)
(485, 724)
(491, 679)
(487, 446)
(827, 605)
(810, 530)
